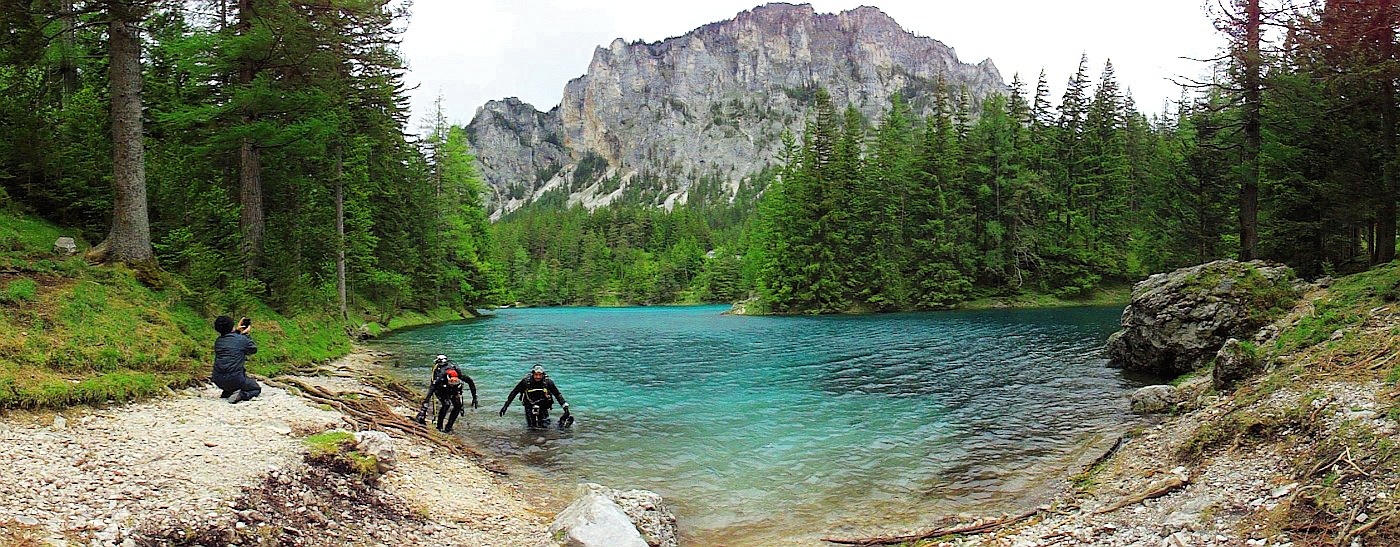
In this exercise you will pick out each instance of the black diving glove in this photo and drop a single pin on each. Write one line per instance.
(474, 405)
(503, 410)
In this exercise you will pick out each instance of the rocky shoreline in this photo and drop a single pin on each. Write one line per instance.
(1300, 453)
(192, 469)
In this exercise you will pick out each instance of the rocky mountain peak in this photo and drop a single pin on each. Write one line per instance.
(649, 120)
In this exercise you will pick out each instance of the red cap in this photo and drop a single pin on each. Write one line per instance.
(451, 373)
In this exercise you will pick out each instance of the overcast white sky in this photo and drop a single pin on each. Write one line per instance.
(473, 51)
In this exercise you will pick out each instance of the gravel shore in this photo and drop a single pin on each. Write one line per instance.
(193, 469)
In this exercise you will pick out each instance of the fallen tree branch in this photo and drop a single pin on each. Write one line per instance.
(938, 532)
(1155, 490)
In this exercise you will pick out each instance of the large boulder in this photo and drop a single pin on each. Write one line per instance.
(592, 516)
(1234, 362)
(595, 521)
(1178, 321)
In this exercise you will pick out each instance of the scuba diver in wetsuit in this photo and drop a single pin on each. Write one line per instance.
(447, 386)
(537, 393)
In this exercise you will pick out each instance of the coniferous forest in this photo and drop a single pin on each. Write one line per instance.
(262, 150)
(258, 149)
(1287, 152)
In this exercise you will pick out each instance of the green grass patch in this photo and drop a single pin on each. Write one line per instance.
(336, 449)
(1105, 295)
(329, 442)
(1344, 307)
(28, 236)
(102, 336)
(19, 291)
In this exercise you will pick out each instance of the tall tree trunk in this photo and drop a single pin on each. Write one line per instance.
(250, 222)
(67, 64)
(1249, 189)
(129, 240)
(340, 238)
(1385, 229)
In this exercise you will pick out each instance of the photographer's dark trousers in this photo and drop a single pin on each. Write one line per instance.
(443, 402)
(537, 415)
(237, 382)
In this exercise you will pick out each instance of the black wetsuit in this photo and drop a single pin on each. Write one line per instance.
(448, 395)
(537, 396)
(231, 351)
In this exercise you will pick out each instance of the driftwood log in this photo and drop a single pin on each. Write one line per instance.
(962, 529)
(1154, 490)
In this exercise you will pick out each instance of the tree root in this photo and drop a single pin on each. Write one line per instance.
(938, 532)
(1155, 490)
(1364, 528)
(370, 411)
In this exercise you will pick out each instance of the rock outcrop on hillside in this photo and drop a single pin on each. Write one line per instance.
(649, 120)
(1178, 321)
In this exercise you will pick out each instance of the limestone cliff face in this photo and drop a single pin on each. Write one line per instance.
(710, 104)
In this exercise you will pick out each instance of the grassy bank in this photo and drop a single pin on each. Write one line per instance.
(1108, 295)
(71, 333)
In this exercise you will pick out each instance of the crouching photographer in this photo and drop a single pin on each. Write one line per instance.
(231, 351)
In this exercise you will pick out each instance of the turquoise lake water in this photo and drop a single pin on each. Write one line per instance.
(780, 430)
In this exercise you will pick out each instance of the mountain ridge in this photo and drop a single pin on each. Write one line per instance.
(648, 121)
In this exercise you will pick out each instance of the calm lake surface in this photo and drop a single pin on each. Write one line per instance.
(780, 430)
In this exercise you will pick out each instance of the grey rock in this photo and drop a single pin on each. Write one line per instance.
(1154, 399)
(646, 510)
(65, 246)
(379, 445)
(711, 103)
(1189, 514)
(59, 422)
(595, 521)
(1178, 321)
(27, 520)
(1234, 363)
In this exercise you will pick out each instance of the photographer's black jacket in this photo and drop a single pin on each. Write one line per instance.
(231, 351)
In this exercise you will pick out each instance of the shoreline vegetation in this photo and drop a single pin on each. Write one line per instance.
(1228, 451)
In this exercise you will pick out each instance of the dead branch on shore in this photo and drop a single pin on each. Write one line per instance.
(1154, 490)
(967, 529)
(370, 411)
(1356, 533)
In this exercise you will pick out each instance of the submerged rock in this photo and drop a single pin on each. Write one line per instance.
(1178, 321)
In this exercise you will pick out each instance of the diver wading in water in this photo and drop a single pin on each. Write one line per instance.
(537, 393)
(447, 386)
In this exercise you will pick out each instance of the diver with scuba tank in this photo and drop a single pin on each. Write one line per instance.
(447, 386)
(537, 393)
